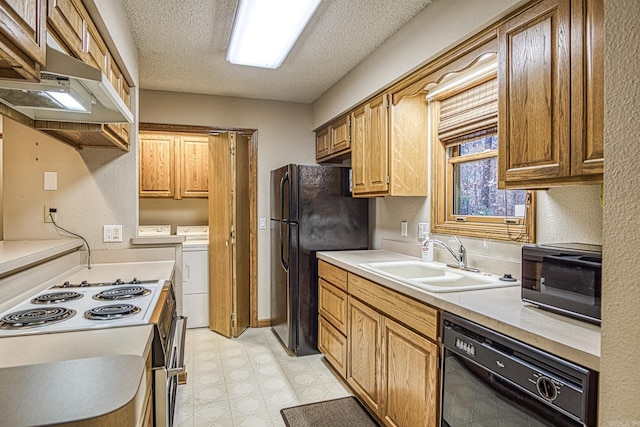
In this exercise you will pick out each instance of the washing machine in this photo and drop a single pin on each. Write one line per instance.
(195, 274)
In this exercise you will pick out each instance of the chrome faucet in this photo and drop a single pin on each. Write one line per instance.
(461, 257)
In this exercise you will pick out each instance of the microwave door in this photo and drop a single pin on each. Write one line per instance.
(561, 277)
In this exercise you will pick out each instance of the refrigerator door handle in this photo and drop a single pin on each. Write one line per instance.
(285, 221)
(284, 263)
(285, 178)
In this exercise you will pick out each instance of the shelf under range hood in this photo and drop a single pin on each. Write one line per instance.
(66, 75)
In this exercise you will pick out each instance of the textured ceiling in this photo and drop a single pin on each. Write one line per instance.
(182, 46)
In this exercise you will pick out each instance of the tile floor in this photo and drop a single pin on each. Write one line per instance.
(247, 380)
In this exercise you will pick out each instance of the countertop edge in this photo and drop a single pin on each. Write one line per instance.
(538, 326)
(19, 254)
(164, 240)
(100, 394)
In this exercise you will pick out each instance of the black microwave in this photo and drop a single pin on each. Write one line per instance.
(564, 277)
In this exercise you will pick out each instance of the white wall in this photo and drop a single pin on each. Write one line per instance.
(620, 376)
(93, 188)
(154, 211)
(284, 136)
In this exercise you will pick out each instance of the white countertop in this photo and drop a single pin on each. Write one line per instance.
(499, 309)
(47, 348)
(149, 270)
(79, 390)
(17, 254)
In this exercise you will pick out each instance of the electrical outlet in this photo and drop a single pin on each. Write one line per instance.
(50, 211)
(112, 233)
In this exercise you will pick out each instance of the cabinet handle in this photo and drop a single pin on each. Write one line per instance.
(187, 269)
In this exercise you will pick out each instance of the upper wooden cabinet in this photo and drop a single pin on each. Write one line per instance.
(22, 38)
(551, 88)
(67, 24)
(157, 165)
(194, 155)
(70, 24)
(333, 140)
(174, 166)
(389, 147)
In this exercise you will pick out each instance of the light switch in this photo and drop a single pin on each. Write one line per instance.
(51, 181)
(112, 233)
(262, 224)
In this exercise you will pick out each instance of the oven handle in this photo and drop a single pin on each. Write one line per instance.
(181, 330)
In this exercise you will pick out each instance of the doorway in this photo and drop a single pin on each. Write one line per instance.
(249, 174)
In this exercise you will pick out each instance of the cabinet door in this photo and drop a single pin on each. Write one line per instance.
(157, 165)
(332, 304)
(409, 378)
(95, 50)
(587, 90)
(408, 161)
(358, 152)
(377, 145)
(534, 108)
(194, 166)
(323, 147)
(365, 345)
(67, 22)
(339, 137)
(333, 345)
(23, 42)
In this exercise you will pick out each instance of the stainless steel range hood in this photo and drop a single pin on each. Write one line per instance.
(96, 101)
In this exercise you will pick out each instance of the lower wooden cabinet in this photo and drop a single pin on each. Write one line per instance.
(388, 352)
(365, 345)
(409, 377)
(333, 344)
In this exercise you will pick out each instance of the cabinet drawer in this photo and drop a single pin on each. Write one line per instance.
(412, 313)
(332, 304)
(333, 345)
(332, 274)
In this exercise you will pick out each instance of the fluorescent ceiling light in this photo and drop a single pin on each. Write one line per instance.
(69, 102)
(264, 31)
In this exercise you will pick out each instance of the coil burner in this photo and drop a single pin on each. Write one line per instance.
(124, 292)
(111, 312)
(56, 297)
(35, 317)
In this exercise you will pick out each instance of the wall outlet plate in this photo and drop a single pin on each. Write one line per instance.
(112, 233)
(54, 214)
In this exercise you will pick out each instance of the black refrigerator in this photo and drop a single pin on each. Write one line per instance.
(311, 210)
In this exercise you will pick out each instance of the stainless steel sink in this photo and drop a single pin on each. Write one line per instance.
(435, 276)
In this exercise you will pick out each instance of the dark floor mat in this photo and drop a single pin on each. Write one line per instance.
(343, 412)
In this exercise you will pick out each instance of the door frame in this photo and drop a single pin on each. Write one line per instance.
(252, 134)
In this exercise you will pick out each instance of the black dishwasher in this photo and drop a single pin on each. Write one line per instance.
(489, 379)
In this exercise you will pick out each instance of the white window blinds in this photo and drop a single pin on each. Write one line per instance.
(472, 111)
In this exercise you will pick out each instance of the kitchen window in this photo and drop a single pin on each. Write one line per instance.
(463, 125)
